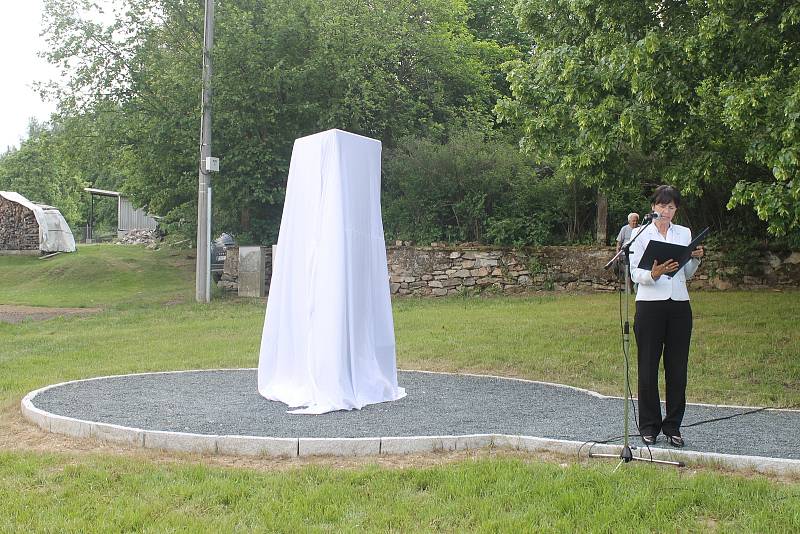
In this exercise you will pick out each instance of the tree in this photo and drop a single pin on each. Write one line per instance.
(447, 191)
(282, 69)
(702, 94)
(494, 20)
(37, 171)
(475, 187)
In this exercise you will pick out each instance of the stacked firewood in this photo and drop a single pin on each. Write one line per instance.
(18, 227)
(140, 237)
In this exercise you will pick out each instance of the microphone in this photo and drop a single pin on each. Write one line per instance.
(651, 217)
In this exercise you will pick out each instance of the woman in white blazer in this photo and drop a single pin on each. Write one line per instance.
(663, 321)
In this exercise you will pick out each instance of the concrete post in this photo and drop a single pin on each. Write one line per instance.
(251, 272)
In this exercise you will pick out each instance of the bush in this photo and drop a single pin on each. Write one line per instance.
(471, 189)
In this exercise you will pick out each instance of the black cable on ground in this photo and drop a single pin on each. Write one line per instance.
(697, 423)
(754, 410)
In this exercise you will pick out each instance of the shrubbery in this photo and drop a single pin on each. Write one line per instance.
(473, 188)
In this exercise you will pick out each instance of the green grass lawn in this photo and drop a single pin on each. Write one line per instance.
(42, 493)
(107, 276)
(746, 350)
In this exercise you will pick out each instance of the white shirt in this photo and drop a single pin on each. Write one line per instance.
(666, 287)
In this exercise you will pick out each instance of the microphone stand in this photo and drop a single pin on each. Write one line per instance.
(626, 455)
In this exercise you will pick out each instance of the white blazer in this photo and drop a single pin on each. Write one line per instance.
(666, 287)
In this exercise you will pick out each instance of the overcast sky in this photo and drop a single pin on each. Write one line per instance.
(20, 67)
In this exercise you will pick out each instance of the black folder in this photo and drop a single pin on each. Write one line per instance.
(661, 252)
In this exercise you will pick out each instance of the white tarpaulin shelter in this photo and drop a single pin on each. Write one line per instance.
(54, 232)
(328, 341)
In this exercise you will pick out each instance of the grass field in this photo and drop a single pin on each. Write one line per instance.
(108, 276)
(45, 493)
(746, 350)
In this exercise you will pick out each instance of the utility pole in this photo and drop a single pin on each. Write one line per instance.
(203, 270)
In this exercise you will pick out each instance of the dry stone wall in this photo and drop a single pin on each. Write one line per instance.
(19, 230)
(762, 269)
(441, 270)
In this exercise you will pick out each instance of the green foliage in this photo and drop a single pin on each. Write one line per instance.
(740, 254)
(615, 97)
(699, 94)
(282, 69)
(519, 231)
(545, 210)
(37, 171)
(453, 191)
(495, 20)
(478, 188)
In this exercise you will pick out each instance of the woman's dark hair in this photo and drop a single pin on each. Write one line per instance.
(664, 194)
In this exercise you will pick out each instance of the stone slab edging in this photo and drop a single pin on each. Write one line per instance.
(238, 445)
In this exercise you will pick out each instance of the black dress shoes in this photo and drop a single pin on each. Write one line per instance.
(675, 441)
(649, 439)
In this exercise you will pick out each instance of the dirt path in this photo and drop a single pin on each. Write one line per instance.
(17, 314)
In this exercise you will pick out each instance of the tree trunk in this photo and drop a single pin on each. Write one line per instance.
(244, 219)
(572, 231)
(602, 218)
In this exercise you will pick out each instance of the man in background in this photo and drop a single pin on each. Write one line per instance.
(626, 231)
(625, 234)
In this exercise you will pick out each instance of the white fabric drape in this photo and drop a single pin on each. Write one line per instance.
(328, 340)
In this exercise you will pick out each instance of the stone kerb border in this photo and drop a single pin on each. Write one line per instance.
(236, 445)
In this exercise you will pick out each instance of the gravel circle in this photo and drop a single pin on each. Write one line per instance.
(226, 402)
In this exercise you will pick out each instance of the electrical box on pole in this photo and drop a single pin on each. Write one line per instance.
(212, 164)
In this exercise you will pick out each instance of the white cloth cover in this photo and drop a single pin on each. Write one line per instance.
(328, 340)
(54, 232)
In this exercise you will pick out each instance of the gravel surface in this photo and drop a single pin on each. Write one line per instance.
(227, 402)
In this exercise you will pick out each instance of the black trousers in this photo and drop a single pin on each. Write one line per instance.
(662, 327)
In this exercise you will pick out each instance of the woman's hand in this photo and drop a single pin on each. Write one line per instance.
(661, 268)
(698, 252)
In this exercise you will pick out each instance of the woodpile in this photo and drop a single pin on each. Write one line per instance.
(146, 237)
(18, 227)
